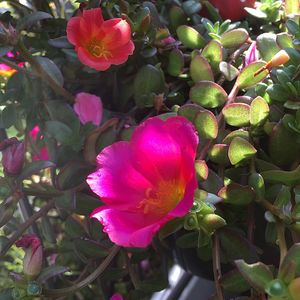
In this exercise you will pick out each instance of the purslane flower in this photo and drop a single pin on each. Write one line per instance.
(146, 182)
(42, 153)
(13, 152)
(33, 259)
(116, 297)
(98, 43)
(89, 108)
(6, 70)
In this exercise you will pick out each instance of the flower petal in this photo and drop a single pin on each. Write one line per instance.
(127, 229)
(116, 181)
(120, 55)
(100, 64)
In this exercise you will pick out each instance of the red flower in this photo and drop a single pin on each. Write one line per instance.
(232, 9)
(98, 43)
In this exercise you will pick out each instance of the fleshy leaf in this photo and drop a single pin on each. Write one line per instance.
(200, 69)
(190, 37)
(218, 153)
(239, 150)
(258, 275)
(206, 124)
(236, 194)
(213, 53)
(259, 111)
(176, 62)
(208, 94)
(234, 38)
(229, 71)
(246, 79)
(237, 114)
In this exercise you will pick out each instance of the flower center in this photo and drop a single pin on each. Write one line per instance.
(163, 199)
(97, 49)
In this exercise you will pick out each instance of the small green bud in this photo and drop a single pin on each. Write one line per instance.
(276, 288)
(33, 289)
(190, 222)
(211, 222)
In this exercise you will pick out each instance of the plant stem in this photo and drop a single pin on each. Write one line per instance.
(55, 293)
(26, 225)
(217, 266)
(44, 75)
(281, 240)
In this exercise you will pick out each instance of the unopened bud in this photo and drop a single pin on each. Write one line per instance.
(33, 259)
(33, 289)
(13, 152)
(190, 222)
(212, 222)
(278, 59)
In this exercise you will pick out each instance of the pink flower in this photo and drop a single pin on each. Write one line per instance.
(13, 152)
(33, 259)
(6, 70)
(146, 182)
(42, 153)
(251, 54)
(98, 43)
(116, 297)
(89, 108)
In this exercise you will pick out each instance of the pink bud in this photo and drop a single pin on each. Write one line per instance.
(116, 297)
(89, 108)
(41, 153)
(33, 259)
(13, 152)
(251, 54)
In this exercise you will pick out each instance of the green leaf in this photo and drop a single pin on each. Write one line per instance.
(237, 194)
(170, 228)
(60, 131)
(259, 111)
(51, 69)
(258, 275)
(240, 150)
(8, 116)
(189, 111)
(72, 175)
(236, 133)
(177, 16)
(256, 181)
(191, 7)
(234, 38)
(176, 62)
(213, 53)
(206, 124)
(284, 40)
(85, 204)
(50, 272)
(201, 170)
(208, 94)
(246, 79)
(218, 153)
(229, 71)
(212, 222)
(235, 246)
(233, 282)
(290, 261)
(60, 42)
(267, 46)
(31, 19)
(190, 37)
(89, 248)
(34, 167)
(200, 69)
(237, 114)
(289, 178)
(148, 81)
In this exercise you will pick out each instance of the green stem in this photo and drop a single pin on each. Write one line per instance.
(44, 75)
(217, 266)
(26, 225)
(55, 293)
(281, 240)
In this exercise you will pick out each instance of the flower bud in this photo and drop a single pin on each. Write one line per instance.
(33, 259)
(8, 35)
(89, 108)
(116, 297)
(13, 152)
(279, 58)
(212, 222)
(251, 54)
(33, 288)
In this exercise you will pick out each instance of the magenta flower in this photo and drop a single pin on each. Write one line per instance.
(13, 152)
(6, 70)
(251, 54)
(146, 182)
(116, 297)
(89, 108)
(33, 259)
(42, 153)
